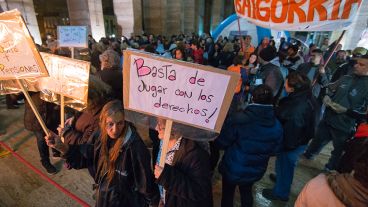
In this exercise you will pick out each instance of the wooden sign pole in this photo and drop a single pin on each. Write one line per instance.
(168, 127)
(62, 103)
(34, 109)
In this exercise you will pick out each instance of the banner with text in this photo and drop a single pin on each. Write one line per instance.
(19, 57)
(187, 93)
(72, 36)
(303, 15)
(68, 77)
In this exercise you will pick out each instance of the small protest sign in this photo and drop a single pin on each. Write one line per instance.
(19, 57)
(68, 77)
(72, 36)
(184, 92)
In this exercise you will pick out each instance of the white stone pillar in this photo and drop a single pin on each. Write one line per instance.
(217, 13)
(29, 15)
(129, 16)
(189, 16)
(87, 13)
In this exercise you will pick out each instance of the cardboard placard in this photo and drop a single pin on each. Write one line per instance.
(72, 36)
(68, 77)
(19, 57)
(187, 93)
(316, 15)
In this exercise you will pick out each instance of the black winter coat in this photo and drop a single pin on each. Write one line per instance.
(188, 181)
(296, 113)
(49, 112)
(133, 184)
(114, 78)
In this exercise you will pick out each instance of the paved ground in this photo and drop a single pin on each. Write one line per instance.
(19, 186)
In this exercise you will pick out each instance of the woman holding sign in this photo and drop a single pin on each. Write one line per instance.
(185, 181)
(119, 158)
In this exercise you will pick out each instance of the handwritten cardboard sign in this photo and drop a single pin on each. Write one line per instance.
(72, 36)
(187, 93)
(68, 77)
(19, 57)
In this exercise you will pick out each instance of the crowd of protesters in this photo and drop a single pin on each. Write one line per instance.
(287, 104)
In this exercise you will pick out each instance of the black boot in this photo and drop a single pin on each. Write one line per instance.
(49, 167)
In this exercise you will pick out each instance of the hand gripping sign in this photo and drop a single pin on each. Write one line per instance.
(299, 15)
(190, 94)
(19, 58)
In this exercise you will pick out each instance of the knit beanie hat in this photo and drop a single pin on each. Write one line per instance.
(268, 53)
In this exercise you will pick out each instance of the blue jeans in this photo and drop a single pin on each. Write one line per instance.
(324, 135)
(285, 165)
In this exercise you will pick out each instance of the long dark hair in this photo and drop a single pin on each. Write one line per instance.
(108, 156)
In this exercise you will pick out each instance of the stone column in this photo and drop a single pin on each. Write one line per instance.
(87, 13)
(27, 9)
(154, 16)
(129, 16)
(173, 17)
(189, 16)
(217, 13)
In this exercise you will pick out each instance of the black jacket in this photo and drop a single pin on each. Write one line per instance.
(188, 181)
(133, 184)
(318, 80)
(296, 113)
(49, 112)
(350, 91)
(114, 78)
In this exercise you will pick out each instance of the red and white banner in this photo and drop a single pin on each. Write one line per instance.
(299, 15)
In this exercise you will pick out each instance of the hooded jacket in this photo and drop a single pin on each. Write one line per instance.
(249, 138)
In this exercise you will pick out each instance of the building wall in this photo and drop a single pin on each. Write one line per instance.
(29, 15)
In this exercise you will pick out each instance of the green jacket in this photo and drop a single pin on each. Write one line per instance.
(350, 91)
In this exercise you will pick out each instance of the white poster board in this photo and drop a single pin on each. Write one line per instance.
(184, 92)
(19, 57)
(72, 36)
(68, 77)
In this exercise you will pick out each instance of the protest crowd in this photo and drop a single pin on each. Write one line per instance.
(287, 104)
